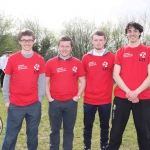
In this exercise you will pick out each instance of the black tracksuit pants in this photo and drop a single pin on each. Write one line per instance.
(120, 115)
(2, 78)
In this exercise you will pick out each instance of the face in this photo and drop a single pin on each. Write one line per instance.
(8, 54)
(98, 42)
(65, 49)
(133, 34)
(26, 43)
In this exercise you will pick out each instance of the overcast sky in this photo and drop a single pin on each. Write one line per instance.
(51, 13)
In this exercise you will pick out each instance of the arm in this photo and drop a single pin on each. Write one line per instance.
(121, 84)
(118, 79)
(133, 94)
(41, 86)
(5, 91)
(48, 95)
(81, 88)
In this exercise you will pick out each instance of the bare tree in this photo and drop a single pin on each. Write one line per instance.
(45, 39)
(79, 30)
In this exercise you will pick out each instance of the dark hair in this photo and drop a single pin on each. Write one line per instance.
(99, 33)
(135, 25)
(26, 32)
(65, 38)
(8, 52)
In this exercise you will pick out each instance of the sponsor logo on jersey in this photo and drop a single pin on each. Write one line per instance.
(61, 69)
(92, 63)
(142, 56)
(74, 69)
(21, 67)
(127, 55)
(36, 68)
(105, 65)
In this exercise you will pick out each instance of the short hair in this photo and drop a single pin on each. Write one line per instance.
(8, 52)
(135, 25)
(26, 32)
(99, 33)
(65, 38)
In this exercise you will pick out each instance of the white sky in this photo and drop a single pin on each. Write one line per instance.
(51, 13)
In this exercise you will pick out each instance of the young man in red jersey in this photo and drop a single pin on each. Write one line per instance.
(23, 90)
(98, 66)
(132, 76)
(63, 93)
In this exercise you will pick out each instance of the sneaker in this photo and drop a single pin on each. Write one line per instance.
(86, 148)
(103, 148)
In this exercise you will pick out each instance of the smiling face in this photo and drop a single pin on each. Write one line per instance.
(26, 43)
(133, 34)
(65, 49)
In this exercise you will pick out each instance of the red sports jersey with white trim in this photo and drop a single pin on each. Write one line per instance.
(99, 80)
(64, 76)
(134, 68)
(24, 78)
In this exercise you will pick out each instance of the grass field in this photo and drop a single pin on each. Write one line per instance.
(129, 138)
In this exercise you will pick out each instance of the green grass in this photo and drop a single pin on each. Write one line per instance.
(129, 141)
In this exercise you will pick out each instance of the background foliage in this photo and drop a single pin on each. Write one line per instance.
(46, 45)
(78, 29)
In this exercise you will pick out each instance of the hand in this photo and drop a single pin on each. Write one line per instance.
(132, 95)
(76, 98)
(7, 105)
(136, 100)
(51, 99)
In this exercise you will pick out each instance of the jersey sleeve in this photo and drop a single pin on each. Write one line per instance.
(9, 66)
(47, 69)
(118, 57)
(81, 70)
(84, 63)
(149, 54)
(42, 68)
(112, 64)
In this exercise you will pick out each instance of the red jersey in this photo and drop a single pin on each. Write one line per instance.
(134, 68)
(24, 78)
(64, 76)
(99, 80)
